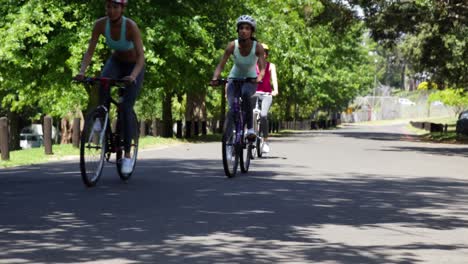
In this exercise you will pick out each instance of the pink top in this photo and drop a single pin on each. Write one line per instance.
(265, 85)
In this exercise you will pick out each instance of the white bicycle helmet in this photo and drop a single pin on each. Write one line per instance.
(123, 2)
(247, 20)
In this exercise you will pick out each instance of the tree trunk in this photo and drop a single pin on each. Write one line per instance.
(93, 99)
(15, 130)
(4, 149)
(222, 116)
(189, 114)
(167, 115)
(66, 128)
(195, 111)
(403, 77)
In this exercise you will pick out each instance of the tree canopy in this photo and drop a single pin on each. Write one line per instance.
(323, 56)
(431, 35)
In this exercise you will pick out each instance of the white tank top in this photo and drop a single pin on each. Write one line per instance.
(244, 66)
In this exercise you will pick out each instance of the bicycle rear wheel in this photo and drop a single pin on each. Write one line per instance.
(133, 151)
(254, 149)
(93, 147)
(259, 144)
(230, 153)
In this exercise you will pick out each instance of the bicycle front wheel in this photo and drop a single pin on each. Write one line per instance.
(133, 151)
(230, 154)
(93, 147)
(246, 154)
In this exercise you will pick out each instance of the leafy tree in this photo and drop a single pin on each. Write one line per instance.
(433, 34)
(457, 98)
(318, 46)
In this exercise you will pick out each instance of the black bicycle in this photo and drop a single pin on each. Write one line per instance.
(236, 148)
(99, 140)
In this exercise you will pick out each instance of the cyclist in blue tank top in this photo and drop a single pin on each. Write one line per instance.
(127, 62)
(246, 51)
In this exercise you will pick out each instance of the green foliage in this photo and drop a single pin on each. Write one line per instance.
(321, 55)
(456, 98)
(424, 86)
(432, 35)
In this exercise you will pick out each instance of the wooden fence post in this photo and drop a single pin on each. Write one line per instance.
(47, 135)
(76, 132)
(188, 129)
(179, 129)
(196, 130)
(154, 127)
(142, 128)
(204, 128)
(4, 148)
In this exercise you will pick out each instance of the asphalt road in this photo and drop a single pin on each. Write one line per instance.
(352, 195)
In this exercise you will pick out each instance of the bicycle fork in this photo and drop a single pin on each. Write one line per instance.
(240, 122)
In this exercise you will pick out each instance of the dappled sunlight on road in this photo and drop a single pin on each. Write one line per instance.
(319, 205)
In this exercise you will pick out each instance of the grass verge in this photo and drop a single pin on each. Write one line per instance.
(446, 137)
(66, 152)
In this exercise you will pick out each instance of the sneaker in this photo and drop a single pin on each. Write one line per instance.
(265, 148)
(97, 125)
(127, 166)
(251, 134)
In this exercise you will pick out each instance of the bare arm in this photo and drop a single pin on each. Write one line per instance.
(97, 30)
(227, 53)
(140, 56)
(274, 81)
(259, 52)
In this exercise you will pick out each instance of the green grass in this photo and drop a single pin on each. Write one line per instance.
(449, 137)
(37, 155)
(382, 122)
(149, 142)
(451, 120)
(61, 152)
(442, 120)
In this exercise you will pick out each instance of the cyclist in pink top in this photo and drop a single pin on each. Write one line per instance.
(265, 91)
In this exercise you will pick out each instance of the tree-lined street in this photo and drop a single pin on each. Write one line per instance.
(361, 194)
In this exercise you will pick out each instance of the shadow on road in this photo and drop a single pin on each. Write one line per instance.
(348, 133)
(460, 152)
(381, 136)
(186, 211)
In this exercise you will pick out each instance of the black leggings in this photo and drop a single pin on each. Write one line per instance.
(116, 69)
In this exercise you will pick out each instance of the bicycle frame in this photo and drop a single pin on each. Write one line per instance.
(240, 120)
(96, 150)
(113, 137)
(234, 142)
(238, 111)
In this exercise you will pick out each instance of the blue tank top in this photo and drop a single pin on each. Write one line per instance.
(244, 66)
(122, 43)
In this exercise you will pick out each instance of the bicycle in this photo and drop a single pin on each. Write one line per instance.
(99, 141)
(259, 141)
(236, 148)
(257, 152)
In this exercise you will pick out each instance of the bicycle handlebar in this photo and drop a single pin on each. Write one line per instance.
(219, 82)
(262, 93)
(103, 80)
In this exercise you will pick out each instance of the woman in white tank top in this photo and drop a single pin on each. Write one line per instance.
(246, 51)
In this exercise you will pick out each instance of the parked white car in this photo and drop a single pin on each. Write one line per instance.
(28, 140)
(405, 101)
(437, 103)
(32, 136)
